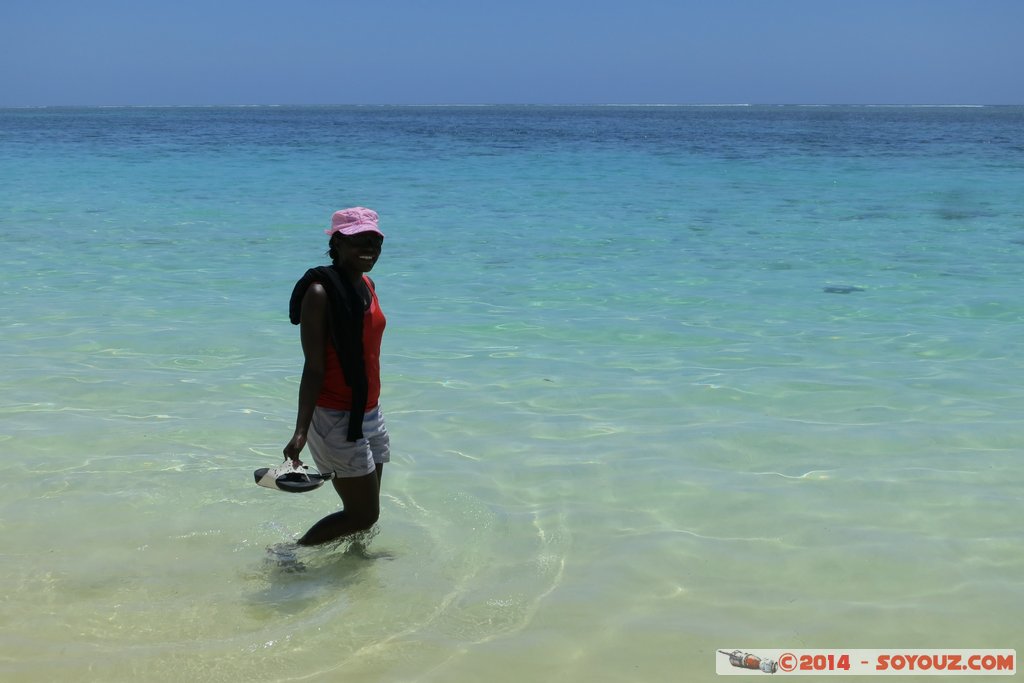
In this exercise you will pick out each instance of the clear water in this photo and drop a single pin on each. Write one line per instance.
(660, 380)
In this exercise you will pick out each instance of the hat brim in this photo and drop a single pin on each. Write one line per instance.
(353, 230)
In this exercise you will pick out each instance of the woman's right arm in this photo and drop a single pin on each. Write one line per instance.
(313, 331)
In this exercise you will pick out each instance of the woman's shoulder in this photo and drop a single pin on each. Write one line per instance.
(315, 290)
(314, 304)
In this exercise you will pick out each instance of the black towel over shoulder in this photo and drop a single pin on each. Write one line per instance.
(345, 322)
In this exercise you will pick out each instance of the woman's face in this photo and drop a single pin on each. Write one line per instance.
(358, 253)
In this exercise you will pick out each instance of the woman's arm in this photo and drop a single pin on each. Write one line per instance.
(313, 331)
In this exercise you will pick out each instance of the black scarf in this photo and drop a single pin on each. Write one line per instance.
(345, 322)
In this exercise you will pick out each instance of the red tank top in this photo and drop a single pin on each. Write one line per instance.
(336, 393)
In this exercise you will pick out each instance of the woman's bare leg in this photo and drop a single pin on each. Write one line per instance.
(360, 497)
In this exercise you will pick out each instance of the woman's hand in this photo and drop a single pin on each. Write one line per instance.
(294, 448)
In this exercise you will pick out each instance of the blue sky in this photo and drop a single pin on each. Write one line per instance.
(66, 52)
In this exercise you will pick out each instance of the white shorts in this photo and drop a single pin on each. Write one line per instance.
(332, 452)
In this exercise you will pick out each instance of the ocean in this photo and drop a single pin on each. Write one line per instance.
(660, 381)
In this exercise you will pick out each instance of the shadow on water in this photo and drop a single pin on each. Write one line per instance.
(296, 578)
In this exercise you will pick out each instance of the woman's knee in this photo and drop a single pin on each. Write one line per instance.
(365, 519)
(361, 500)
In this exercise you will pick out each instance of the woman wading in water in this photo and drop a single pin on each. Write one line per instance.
(341, 326)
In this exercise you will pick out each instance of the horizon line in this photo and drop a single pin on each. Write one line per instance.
(510, 104)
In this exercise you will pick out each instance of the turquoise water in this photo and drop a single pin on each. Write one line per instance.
(660, 381)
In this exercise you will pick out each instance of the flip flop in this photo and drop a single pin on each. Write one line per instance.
(287, 477)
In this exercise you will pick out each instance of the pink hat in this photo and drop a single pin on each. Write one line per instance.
(354, 221)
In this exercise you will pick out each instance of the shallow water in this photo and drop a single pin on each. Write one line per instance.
(660, 381)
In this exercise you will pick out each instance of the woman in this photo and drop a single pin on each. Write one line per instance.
(339, 416)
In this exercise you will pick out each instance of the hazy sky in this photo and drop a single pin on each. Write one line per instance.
(91, 52)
